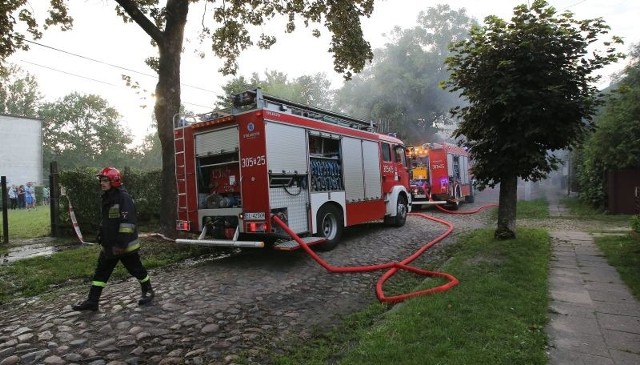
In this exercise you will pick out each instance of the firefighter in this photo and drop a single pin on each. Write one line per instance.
(118, 236)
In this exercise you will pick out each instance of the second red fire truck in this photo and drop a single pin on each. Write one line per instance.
(440, 175)
(316, 170)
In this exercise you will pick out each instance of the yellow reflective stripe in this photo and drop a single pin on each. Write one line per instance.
(114, 211)
(145, 279)
(101, 284)
(127, 228)
(134, 245)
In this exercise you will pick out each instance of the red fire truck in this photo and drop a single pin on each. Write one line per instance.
(440, 175)
(317, 170)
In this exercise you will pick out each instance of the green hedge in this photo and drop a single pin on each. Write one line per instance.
(635, 223)
(83, 189)
(39, 196)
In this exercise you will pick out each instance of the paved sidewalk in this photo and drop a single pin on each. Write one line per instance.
(594, 317)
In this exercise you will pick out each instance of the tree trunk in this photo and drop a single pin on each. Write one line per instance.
(167, 107)
(507, 208)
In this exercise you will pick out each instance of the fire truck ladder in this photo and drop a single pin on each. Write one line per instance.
(260, 100)
(181, 170)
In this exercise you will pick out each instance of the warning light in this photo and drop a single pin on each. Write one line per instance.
(182, 226)
(256, 227)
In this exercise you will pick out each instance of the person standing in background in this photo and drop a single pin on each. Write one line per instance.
(30, 196)
(13, 197)
(21, 197)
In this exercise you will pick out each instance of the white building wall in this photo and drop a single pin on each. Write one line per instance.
(21, 149)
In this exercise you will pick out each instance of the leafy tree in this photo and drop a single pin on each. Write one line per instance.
(165, 25)
(147, 156)
(312, 90)
(402, 85)
(531, 90)
(14, 11)
(83, 130)
(614, 145)
(19, 93)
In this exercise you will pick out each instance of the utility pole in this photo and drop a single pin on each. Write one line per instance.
(54, 203)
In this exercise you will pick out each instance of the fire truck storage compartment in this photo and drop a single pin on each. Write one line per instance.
(217, 142)
(325, 162)
(458, 167)
(288, 175)
(218, 169)
(372, 173)
(361, 170)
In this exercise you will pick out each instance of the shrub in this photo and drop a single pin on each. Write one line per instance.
(83, 190)
(635, 223)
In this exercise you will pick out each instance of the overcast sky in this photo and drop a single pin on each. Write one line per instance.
(109, 48)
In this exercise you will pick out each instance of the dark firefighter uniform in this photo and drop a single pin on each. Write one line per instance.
(118, 236)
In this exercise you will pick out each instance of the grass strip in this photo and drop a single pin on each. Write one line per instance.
(496, 315)
(532, 209)
(580, 209)
(28, 223)
(37, 275)
(623, 253)
(528, 209)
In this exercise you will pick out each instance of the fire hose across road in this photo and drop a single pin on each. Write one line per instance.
(393, 267)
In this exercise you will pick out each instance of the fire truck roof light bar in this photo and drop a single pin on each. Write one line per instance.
(262, 101)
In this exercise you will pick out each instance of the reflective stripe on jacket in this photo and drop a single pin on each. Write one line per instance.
(118, 227)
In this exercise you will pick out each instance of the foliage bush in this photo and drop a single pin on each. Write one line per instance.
(635, 223)
(614, 145)
(83, 190)
(39, 194)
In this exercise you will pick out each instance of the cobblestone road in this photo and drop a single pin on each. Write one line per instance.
(209, 313)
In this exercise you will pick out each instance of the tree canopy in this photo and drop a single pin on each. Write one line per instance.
(13, 12)
(531, 88)
(401, 87)
(614, 145)
(19, 93)
(313, 90)
(83, 130)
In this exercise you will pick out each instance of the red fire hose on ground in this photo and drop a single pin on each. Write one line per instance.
(392, 267)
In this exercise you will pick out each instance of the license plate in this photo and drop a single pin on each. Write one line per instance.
(254, 216)
(418, 196)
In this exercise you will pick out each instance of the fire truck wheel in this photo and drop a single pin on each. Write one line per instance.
(470, 198)
(330, 226)
(401, 213)
(452, 205)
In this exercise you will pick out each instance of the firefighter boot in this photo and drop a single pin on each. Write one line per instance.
(91, 304)
(147, 293)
